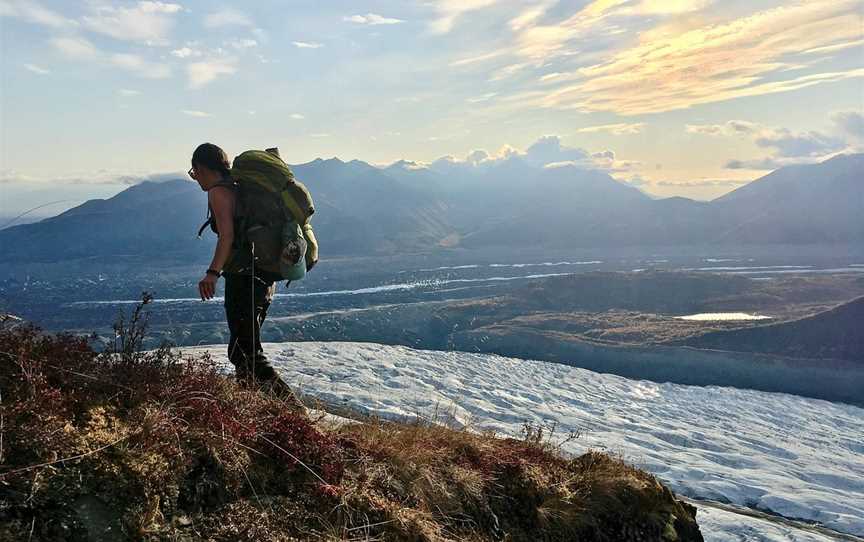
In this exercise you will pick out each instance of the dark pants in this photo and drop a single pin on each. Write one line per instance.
(246, 302)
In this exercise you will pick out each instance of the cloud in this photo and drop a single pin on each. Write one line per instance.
(548, 150)
(186, 52)
(615, 129)
(129, 92)
(307, 45)
(203, 72)
(669, 68)
(36, 69)
(82, 49)
(791, 144)
(296, 116)
(193, 113)
(33, 12)
(148, 22)
(850, 123)
(372, 19)
(141, 67)
(729, 128)
(449, 11)
(241, 44)
(77, 48)
(319, 135)
(702, 183)
(227, 17)
(788, 147)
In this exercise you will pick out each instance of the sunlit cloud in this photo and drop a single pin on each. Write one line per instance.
(615, 129)
(667, 70)
(372, 19)
(204, 72)
(193, 113)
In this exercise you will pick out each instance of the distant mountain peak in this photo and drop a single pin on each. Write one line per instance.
(409, 165)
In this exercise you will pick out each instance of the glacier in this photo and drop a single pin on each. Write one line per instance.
(786, 455)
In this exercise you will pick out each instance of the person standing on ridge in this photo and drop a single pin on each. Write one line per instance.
(248, 295)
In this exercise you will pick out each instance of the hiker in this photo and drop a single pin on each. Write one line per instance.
(248, 292)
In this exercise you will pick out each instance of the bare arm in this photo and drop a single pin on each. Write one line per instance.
(222, 203)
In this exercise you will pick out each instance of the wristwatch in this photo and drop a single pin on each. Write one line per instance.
(212, 271)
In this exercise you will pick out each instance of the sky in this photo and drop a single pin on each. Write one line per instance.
(679, 98)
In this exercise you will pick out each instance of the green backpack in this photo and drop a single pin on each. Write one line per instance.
(271, 218)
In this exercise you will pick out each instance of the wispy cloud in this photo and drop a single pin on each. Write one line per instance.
(227, 17)
(307, 44)
(83, 50)
(34, 12)
(296, 116)
(77, 48)
(449, 11)
(669, 70)
(615, 129)
(193, 113)
(204, 72)
(148, 22)
(129, 92)
(36, 69)
(372, 19)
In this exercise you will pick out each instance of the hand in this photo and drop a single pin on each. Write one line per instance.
(207, 286)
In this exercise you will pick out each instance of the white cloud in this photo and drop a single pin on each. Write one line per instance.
(372, 19)
(319, 135)
(193, 113)
(34, 12)
(148, 22)
(186, 52)
(129, 92)
(78, 48)
(159, 7)
(204, 72)
(241, 44)
(615, 129)
(307, 45)
(141, 67)
(296, 116)
(37, 69)
(227, 17)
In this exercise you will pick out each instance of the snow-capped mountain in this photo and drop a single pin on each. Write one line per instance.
(781, 454)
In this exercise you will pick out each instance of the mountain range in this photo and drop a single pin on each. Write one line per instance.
(405, 207)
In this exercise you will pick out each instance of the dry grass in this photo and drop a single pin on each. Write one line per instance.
(150, 446)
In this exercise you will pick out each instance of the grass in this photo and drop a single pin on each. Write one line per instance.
(131, 445)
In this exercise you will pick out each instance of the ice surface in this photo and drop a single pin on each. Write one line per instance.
(797, 457)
